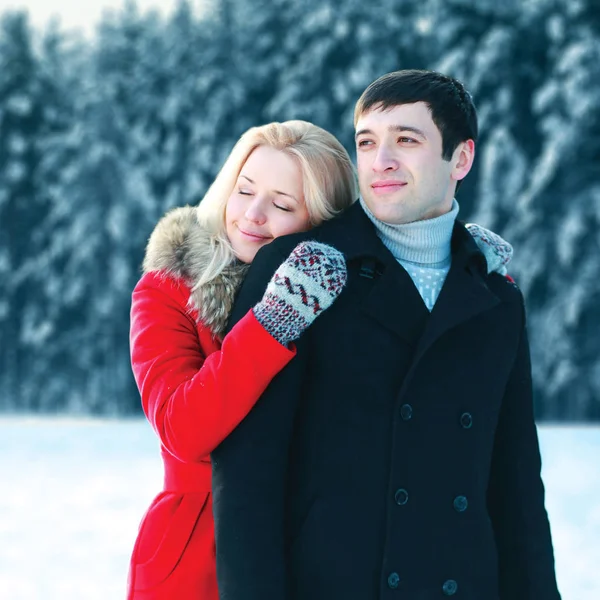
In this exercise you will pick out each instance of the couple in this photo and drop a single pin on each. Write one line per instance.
(386, 449)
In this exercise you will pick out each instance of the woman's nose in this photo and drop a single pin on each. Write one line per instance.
(255, 211)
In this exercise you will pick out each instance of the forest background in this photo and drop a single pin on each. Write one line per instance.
(101, 134)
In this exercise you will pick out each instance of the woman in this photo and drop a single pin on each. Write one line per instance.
(196, 383)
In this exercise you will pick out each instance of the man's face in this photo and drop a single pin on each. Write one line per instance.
(401, 172)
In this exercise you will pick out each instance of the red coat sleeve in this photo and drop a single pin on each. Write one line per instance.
(194, 397)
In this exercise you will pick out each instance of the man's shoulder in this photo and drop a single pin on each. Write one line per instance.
(270, 256)
(336, 232)
(505, 287)
(282, 246)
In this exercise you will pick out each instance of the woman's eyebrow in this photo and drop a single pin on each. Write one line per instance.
(278, 192)
(286, 194)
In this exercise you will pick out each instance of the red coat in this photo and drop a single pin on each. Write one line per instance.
(194, 392)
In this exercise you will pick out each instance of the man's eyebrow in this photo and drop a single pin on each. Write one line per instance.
(400, 128)
(395, 128)
(362, 132)
(279, 193)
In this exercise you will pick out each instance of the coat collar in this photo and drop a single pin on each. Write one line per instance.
(393, 296)
(394, 302)
(180, 247)
(465, 293)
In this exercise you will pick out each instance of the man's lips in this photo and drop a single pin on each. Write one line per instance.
(387, 186)
(257, 237)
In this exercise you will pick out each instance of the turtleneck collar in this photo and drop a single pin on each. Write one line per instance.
(423, 243)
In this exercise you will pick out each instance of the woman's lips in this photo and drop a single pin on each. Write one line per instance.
(255, 237)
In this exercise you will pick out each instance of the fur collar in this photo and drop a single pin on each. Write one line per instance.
(180, 247)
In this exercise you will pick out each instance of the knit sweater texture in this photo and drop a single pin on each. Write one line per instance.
(422, 248)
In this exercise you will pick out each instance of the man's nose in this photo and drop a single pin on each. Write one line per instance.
(385, 160)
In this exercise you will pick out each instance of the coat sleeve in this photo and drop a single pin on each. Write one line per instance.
(516, 492)
(249, 473)
(192, 400)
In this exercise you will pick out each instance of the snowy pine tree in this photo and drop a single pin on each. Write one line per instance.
(533, 74)
(97, 140)
(22, 206)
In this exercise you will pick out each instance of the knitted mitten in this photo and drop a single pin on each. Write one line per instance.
(305, 284)
(497, 251)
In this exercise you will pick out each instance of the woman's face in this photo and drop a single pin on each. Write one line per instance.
(266, 202)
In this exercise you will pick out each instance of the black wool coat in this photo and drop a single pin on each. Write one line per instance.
(396, 456)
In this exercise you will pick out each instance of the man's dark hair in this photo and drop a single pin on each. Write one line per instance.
(452, 108)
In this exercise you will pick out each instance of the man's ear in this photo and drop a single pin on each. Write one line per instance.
(462, 159)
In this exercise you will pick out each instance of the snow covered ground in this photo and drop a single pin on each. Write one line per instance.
(73, 492)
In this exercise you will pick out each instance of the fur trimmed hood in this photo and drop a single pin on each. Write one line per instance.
(182, 248)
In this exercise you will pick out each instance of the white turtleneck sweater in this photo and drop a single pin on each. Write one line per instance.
(422, 248)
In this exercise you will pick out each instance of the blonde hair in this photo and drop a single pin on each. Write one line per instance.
(329, 180)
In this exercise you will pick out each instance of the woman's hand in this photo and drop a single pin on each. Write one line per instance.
(306, 284)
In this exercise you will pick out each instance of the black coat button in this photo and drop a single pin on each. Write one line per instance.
(466, 420)
(394, 580)
(406, 412)
(460, 503)
(401, 497)
(450, 587)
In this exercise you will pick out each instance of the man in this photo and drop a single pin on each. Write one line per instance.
(397, 455)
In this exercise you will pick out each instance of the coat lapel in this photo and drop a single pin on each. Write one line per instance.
(394, 302)
(465, 293)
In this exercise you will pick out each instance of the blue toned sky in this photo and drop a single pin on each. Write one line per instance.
(83, 14)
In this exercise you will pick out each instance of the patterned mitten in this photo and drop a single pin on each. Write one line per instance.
(497, 251)
(305, 285)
